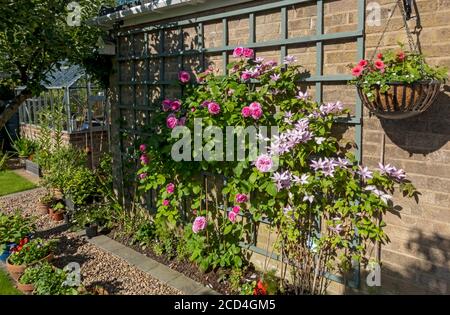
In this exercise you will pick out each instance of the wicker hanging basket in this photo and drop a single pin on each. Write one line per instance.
(402, 100)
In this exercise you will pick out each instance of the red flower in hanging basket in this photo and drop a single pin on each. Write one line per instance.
(363, 63)
(260, 289)
(357, 71)
(380, 56)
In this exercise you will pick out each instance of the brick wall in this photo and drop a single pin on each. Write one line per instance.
(417, 259)
(79, 140)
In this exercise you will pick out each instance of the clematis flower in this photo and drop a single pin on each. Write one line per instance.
(199, 224)
(213, 108)
(241, 198)
(302, 96)
(364, 172)
(289, 59)
(282, 180)
(171, 121)
(383, 196)
(275, 77)
(184, 77)
(319, 140)
(357, 71)
(302, 180)
(309, 198)
(259, 60)
(170, 188)
(238, 52)
(264, 163)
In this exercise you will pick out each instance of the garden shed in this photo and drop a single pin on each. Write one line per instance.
(156, 39)
(82, 103)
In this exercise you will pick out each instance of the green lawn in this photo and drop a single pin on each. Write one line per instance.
(10, 183)
(6, 285)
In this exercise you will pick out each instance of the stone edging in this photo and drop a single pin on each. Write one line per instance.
(155, 269)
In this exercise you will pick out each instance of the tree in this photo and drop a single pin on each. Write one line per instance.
(35, 37)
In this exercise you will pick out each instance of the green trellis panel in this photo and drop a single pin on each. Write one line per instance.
(283, 44)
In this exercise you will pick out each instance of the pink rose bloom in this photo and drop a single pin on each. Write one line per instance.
(264, 163)
(363, 63)
(175, 105)
(246, 76)
(241, 198)
(166, 202)
(184, 77)
(166, 105)
(213, 108)
(144, 159)
(238, 52)
(205, 104)
(357, 71)
(142, 175)
(246, 112)
(193, 109)
(248, 53)
(232, 216)
(257, 113)
(171, 121)
(182, 121)
(236, 209)
(379, 65)
(199, 224)
(170, 188)
(142, 147)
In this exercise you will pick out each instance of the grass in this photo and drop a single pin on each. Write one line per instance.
(6, 285)
(10, 183)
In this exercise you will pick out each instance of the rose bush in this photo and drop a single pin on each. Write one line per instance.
(325, 208)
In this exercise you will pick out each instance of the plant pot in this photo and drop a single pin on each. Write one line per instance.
(402, 100)
(33, 168)
(25, 288)
(15, 270)
(4, 255)
(91, 230)
(57, 216)
(42, 208)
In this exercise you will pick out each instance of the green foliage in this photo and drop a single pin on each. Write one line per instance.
(52, 281)
(31, 274)
(31, 252)
(81, 186)
(13, 228)
(400, 67)
(3, 159)
(145, 234)
(24, 147)
(248, 288)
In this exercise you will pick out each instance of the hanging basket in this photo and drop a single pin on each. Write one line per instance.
(402, 100)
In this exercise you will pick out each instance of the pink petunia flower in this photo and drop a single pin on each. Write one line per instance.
(171, 121)
(142, 147)
(238, 52)
(248, 53)
(232, 216)
(170, 188)
(213, 108)
(380, 56)
(184, 77)
(166, 202)
(363, 63)
(379, 64)
(199, 224)
(246, 112)
(357, 71)
(241, 198)
(264, 163)
(175, 105)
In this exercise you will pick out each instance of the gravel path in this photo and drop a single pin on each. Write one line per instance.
(97, 266)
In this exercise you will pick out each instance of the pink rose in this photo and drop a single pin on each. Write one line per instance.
(166, 105)
(166, 202)
(205, 104)
(184, 77)
(182, 121)
(144, 159)
(213, 108)
(248, 53)
(257, 113)
(142, 175)
(241, 198)
(238, 52)
(264, 163)
(142, 147)
(170, 188)
(193, 109)
(232, 216)
(175, 105)
(246, 112)
(171, 121)
(199, 224)
(357, 71)
(236, 209)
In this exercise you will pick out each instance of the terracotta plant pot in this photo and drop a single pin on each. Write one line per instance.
(42, 208)
(25, 288)
(15, 270)
(57, 216)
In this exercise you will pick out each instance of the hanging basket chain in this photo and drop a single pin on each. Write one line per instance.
(384, 31)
